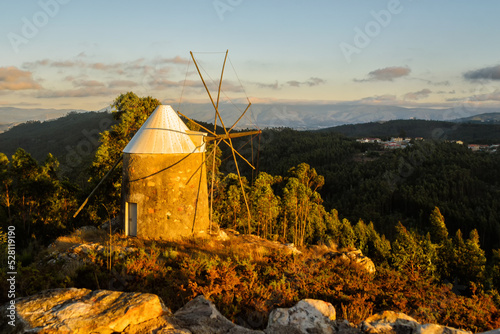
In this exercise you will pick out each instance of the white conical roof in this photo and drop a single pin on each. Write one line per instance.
(163, 132)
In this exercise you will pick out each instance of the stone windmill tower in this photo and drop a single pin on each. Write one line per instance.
(164, 187)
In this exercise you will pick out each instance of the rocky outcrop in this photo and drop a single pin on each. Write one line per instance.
(83, 311)
(355, 257)
(389, 322)
(101, 311)
(200, 316)
(307, 316)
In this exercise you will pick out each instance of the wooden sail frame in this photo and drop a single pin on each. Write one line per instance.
(226, 137)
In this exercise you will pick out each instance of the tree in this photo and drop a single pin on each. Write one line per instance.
(132, 111)
(6, 192)
(39, 204)
(265, 204)
(378, 248)
(301, 203)
(469, 259)
(494, 272)
(362, 235)
(412, 253)
(444, 246)
(439, 232)
(347, 235)
(475, 258)
(229, 205)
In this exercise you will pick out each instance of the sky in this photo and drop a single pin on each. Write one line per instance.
(75, 54)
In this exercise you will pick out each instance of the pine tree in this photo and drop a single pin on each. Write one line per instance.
(439, 232)
(494, 272)
(347, 235)
(474, 258)
(413, 254)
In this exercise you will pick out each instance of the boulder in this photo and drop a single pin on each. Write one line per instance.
(495, 331)
(391, 323)
(307, 316)
(399, 323)
(200, 316)
(353, 257)
(437, 329)
(83, 311)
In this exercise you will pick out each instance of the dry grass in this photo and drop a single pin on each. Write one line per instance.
(80, 236)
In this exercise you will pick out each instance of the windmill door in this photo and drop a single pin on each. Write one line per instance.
(131, 219)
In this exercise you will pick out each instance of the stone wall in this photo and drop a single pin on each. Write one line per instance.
(170, 191)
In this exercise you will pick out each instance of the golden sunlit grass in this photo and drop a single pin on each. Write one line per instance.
(80, 236)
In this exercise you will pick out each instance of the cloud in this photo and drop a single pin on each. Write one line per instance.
(12, 78)
(445, 92)
(421, 94)
(378, 99)
(312, 81)
(88, 83)
(275, 85)
(486, 73)
(160, 84)
(440, 83)
(174, 60)
(493, 96)
(141, 65)
(122, 83)
(80, 92)
(386, 74)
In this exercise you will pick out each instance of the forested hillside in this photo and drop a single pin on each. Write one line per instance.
(72, 139)
(365, 182)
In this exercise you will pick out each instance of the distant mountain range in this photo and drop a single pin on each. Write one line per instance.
(297, 116)
(317, 116)
(10, 116)
(492, 117)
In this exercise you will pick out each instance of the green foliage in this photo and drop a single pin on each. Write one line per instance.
(439, 232)
(475, 259)
(494, 272)
(37, 202)
(347, 235)
(131, 112)
(230, 204)
(413, 254)
(265, 205)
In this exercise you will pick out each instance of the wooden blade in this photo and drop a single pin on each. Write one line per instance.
(241, 185)
(233, 135)
(220, 81)
(100, 182)
(201, 126)
(243, 114)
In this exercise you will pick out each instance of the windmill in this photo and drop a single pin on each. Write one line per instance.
(225, 137)
(164, 185)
